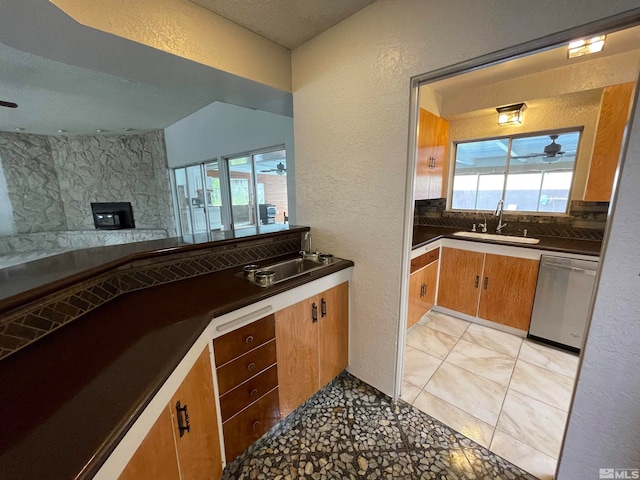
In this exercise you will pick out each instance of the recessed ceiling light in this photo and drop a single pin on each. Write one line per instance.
(62, 130)
(19, 129)
(99, 130)
(585, 46)
(127, 129)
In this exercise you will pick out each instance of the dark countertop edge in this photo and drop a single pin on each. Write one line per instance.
(27, 296)
(543, 245)
(119, 432)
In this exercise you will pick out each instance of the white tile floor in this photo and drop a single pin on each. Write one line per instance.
(507, 393)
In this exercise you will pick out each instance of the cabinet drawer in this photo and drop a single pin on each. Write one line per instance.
(240, 341)
(250, 424)
(423, 260)
(248, 392)
(243, 368)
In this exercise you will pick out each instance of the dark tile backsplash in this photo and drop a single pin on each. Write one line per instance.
(586, 220)
(28, 323)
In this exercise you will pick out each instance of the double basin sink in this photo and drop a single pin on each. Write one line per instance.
(265, 276)
(498, 237)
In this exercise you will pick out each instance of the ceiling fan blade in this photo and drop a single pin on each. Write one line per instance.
(8, 104)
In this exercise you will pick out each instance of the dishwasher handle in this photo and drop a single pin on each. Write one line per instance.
(572, 269)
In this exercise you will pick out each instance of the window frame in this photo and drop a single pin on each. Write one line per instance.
(510, 138)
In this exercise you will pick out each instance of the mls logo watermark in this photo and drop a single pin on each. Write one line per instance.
(620, 473)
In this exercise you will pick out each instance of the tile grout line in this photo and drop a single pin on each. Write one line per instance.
(505, 395)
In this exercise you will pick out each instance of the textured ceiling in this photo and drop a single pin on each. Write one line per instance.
(287, 22)
(88, 80)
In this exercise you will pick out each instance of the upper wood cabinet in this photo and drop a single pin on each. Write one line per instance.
(433, 156)
(312, 339)
(614, 113)
(169, 452)
(498, 288)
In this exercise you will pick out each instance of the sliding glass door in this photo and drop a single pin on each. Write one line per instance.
(235, 192)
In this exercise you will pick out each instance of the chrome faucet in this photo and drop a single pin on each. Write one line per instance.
(498, 213)
(306, 244)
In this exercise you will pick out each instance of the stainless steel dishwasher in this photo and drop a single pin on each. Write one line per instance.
(561, 305)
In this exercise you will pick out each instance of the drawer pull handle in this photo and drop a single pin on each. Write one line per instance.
(255, 424)
(248, 340)
(486, 282)
(477, 280)
(253, 392)
(314, 313)
(251, 366)
(323, 308)
(183, 424)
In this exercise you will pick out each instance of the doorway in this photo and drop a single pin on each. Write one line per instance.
(466, 97)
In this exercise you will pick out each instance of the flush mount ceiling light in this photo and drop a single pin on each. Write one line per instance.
(585, 46)
(511, 114)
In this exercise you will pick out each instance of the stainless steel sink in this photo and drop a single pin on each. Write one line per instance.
(498, 238)
(278, 272)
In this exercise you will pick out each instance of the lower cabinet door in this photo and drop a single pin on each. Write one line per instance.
(430, 279)
(334, 332)
(459, 284)
(250, 424)
(198, 447)
(508, 288)
(297, 352)
(415, 299)
(155, 458)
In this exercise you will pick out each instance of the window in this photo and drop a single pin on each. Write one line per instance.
(233, 192)
(531, 173)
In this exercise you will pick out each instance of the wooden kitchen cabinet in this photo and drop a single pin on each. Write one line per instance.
(422, 286)
(433, 156)
(333, 350)
(614, 112)
(247, 373)
(156, 457)
(168, 453)
(312, 345)
(508, 288)
(493, 287)
(459, 285)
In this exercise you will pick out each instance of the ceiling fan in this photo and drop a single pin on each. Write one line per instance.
(551, 152)
(280, 169)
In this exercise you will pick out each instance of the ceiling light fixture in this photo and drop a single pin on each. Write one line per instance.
(511, 114)
(127, 129)
(585, 46)
(62, 130)
(19, 129)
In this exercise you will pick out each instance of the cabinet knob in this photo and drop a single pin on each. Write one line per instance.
(253, 392)
(255, 424)
(251, 366)
(248, 340)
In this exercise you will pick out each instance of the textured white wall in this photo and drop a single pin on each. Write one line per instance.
(351, 109)
(604, 425)
(221, 129)
(185, 29)
(573, 110)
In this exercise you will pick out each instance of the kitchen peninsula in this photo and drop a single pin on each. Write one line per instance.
(71, 395)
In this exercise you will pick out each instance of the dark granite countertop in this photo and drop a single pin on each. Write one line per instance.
(423, 235)
(25, 282)
(70, 397)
